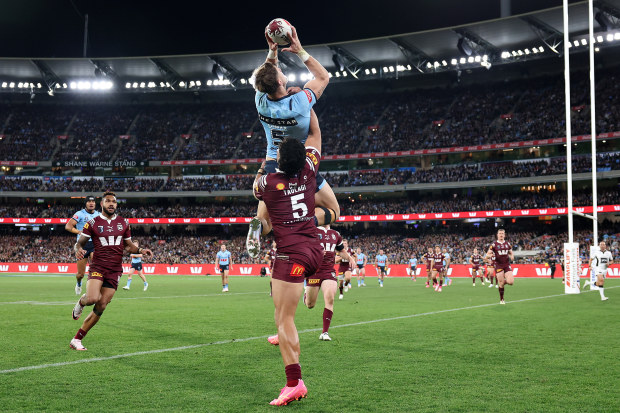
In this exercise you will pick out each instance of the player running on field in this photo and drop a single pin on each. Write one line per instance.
(325, 277)
(446, 266)
(428, 260)
(476, 260)
(74, 226)
(361, 261)
(489, 270)
(224, 262)
(136, 265)
(344, 269)
(437, 260)
(599, 263)
(381, 261)
(503, 257)
(111, 236)
(289, 197)
(413, 265)
(285, 115)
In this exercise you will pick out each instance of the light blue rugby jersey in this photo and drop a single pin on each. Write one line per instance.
(223, 257)
(413, 262)
(82, 217)
(360, 258)
(136, 260)
(287, 117)
(381, 260)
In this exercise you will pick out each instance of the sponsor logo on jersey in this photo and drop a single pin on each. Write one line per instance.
(313, 281)
(280, 186)
(313, 158)
(297, 270)
(277, 122)
(309, 96)
(86, 225)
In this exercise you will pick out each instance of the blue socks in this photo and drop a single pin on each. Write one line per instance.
(128, 282)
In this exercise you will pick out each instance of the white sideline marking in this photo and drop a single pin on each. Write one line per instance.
(116, 298)
(240, 340)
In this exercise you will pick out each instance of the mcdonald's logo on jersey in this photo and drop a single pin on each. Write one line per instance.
(297, 270)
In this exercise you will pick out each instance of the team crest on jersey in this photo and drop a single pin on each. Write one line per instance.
(119, 227)
(100, 228)
(313, 157)
(280, 186)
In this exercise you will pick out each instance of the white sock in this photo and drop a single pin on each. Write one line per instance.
(602, 291)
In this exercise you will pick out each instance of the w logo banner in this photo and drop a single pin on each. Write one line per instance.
(248, 270)
(195, 270)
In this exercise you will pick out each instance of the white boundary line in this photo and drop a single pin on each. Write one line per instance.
(240, 340)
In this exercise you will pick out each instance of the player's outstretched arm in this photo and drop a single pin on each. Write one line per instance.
(314, 132)
(134, 249)
(321, 76)
(272, 56)
(70, 226)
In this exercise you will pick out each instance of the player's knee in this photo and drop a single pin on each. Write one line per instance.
(99, 309)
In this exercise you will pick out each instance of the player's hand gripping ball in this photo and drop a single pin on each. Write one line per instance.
(279, 31)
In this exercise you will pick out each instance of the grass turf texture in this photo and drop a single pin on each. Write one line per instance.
(525, 356)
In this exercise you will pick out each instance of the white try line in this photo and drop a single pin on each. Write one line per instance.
(116, 298)
(240, 340)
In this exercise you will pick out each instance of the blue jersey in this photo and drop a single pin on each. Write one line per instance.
(135, 260)
(360, 258)
(413, 262)
(223, 257)
(381, 260)
(287, 117)
(82, 217)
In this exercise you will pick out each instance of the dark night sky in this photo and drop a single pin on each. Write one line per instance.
(54, 28)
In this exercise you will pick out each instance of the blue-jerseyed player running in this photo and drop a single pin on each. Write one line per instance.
(224, 262)
(413, 267)
(288, 113)
(381, 261)
(361, 260)
(75, 226)
(136, 266)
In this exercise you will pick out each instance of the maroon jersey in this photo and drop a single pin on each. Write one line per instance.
(109, 237)
(331, 242)
(344, 264)
(438, 260)
(428, 258)
(290, 203)
(501, 250)
(475, 260)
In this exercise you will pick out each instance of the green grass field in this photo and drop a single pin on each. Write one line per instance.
(185, 346)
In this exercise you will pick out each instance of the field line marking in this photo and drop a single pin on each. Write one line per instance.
(240, 340)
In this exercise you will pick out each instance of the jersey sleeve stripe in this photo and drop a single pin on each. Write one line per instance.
(85, 235)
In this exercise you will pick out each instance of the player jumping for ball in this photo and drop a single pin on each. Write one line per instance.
(287, 113)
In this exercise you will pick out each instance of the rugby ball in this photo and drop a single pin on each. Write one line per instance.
(279, 31)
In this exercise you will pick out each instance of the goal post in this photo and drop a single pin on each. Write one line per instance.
(572, 268)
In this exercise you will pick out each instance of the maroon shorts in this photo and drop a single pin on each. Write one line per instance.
(438, 268)
(342, 268)
(316, 280)
(504, 268)
(475, 267)
(294, 268)
(110, 278)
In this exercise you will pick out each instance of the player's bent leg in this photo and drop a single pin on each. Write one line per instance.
(93, 292)
(326, 199)
(310, 296)
(509, 278)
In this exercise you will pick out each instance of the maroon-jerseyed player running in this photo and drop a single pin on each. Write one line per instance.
(476, 261)
(289, 197)
(325, 277)
(503, 257)
(344, 269)
(110, 235)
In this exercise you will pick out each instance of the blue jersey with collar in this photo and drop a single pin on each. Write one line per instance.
(82, 217)
(135, 260)
(360, 258)
(287, 117)
(413, 262)
(381, 260)
(223, 257)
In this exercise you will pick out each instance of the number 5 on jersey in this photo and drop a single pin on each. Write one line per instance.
(296, 205)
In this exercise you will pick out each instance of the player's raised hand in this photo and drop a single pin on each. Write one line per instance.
(272, 45)
(295, 46)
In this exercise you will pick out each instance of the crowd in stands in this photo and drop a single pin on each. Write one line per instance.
(400, 120)
(188, 248)
(438, 174)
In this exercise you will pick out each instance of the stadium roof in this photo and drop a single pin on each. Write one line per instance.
(536, 35)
